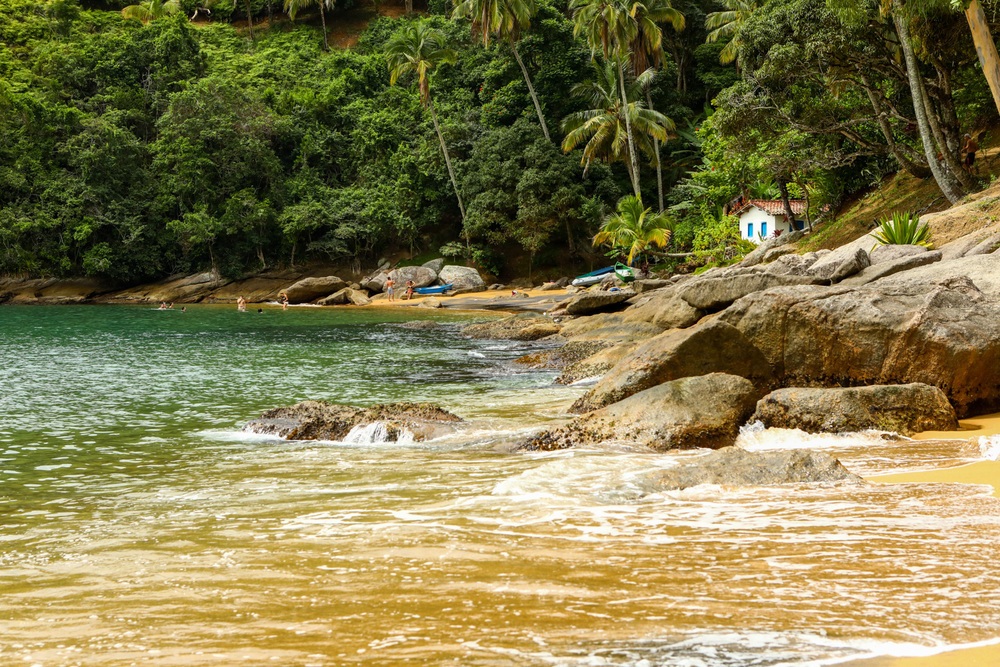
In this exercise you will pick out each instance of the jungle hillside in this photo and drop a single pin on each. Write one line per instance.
(148, 140)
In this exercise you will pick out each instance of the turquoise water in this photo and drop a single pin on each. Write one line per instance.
(138, 525)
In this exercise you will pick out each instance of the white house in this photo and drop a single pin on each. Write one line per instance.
(764, 218)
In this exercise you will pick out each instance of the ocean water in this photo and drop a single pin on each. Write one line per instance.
(140, 526)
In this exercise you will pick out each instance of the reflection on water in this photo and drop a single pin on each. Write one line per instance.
(138, 526)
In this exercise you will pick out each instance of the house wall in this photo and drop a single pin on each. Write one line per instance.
(752, 219)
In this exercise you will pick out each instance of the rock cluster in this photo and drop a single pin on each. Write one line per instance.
(318, 420)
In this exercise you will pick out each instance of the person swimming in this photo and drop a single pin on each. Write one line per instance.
(241, 304)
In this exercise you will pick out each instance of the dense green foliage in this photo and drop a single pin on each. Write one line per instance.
(133, 150)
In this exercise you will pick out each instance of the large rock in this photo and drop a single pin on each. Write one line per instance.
(791, 265)
(892, 252)
(422, 276)
(712, 347)
(463, 278)
(589, 303)
(703, 411)
(50, 290)
(663, 308)
(884, 268)
(713, 293)
(649, 284)
(944, 333)
(310, 289)
(517, 327)
(735, 467)
(983, 270)
(760, 252)
(903, 408)
(829, 262)
(854, 264)
(611, 328)
(180, 289)
(375, 283)
(318, 420)
(597, 364)
(435, 265)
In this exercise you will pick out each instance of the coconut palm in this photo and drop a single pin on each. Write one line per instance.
(634, 229)
(505, 19)
(603, 129)
(152, 10)
(417, 49)
(726, 26)
(292, 7)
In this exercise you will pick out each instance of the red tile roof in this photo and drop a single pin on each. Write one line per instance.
(773, 206)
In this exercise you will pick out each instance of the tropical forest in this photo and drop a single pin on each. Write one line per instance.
(519, 136)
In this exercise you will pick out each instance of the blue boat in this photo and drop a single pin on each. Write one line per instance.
(437, 289)
(593, 277)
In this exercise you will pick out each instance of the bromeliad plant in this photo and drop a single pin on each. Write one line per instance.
(903, 228)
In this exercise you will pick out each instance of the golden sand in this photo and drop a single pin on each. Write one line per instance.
(979, 656)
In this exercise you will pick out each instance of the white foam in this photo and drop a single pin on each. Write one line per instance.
(594, 379)
(755, 437)
(989, 447)
(376, 433)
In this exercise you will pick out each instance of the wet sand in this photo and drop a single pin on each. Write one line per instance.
(981, 472)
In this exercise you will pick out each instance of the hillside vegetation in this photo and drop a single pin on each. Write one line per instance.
(241, 140)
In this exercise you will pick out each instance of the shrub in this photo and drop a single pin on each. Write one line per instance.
(903, 228)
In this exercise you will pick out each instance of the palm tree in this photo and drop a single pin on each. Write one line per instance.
(647, 51)
(292, 7)
(506, 19)
(417, 49)
(634, 229)
(152, 10)
(726, 26)
(603, 129)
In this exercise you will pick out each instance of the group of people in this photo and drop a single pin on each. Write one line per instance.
(390, 288)
(170, 306)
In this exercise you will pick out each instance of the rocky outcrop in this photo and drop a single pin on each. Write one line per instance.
(856, 263)
(760, 252)
(517, 327)
(649, 284)
(888, 267)
(50, 291)
(703, 411)
(599, 301)
(713, 347)
(715, 292)
(735, 467)
(310, 289)
(375, 283)
(559, 358)
(346, 296)
(830, 262)
(435, 265)
(180, 289)
(596, 364)
(892, 252)
(663, 308)
(903, 408)
(983, 270)
(422, 276)
(462, 278)
(944, 333)
(318, 420)
(610, 328)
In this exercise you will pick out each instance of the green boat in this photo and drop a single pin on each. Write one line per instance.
(625, 273)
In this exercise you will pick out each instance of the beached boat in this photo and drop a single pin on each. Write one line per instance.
(436, 289)
(593, 277)
(625, 273)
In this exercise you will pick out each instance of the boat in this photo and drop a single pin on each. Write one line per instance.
(593, 277)
(625, 273)
(436, 289)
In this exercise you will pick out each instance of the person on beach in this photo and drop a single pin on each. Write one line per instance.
(389, 288)
(284, 301)
(241, 304)
(409, 290)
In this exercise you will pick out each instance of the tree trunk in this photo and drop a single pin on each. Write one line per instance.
(949, 188)
(249, 18)
(531, 90)
(785, 201)
(633, 158)
(985, 48)
(949, 155)
(659, 165)
(805, 192)
(909, 166)
(569, 236)
(409, 6)
(322, 18)
(447, 162)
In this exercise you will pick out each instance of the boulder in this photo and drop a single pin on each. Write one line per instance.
(421, 276)
(357, 297)
(735, 467)
(55, 291)
(856, 263)
(431, 302)
(375, 283)
(964, 245)
(829, 261)
(649, 284)
(983, 270)
(988, 246)
(702, 411)
(760, 252)
(589, 303)
(884, 269)
(181, 289)
(318, 420)
(713, 293)
(890, 253)
(898, 330)
(712, 347)
(344, 297)
(526, 326)
(596, 364)
(561, 357)
(665, 309)
(463, 278)
(791, 265)
(435, 265)
(610, 328)
(903, 408)
(310, 289)
(775, 253)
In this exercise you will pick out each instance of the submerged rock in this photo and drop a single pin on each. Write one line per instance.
(704, 411)
(903, 408)
(732, 466)
(319, 420)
